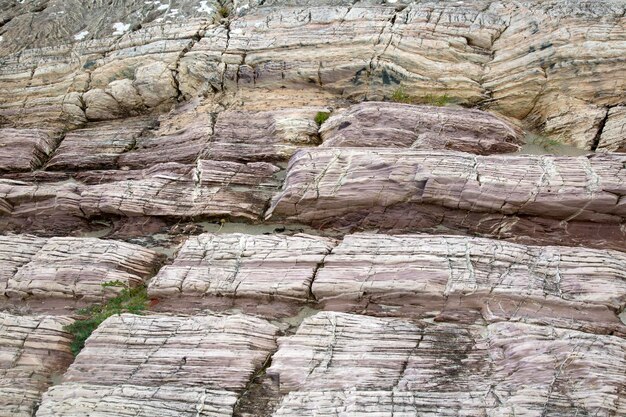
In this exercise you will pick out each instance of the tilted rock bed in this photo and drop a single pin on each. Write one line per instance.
(390, 260)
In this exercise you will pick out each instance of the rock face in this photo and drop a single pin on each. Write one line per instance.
(206, 189)
(325, 207)
(555, 64)
(238, 266)
(34, 351)
(469, 279)
(613, 137)
(408, 368)
(25, 149)
(392, 125)
(69, 268)
(537, 199)
(201, 363)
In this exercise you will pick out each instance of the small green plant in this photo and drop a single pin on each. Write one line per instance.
(321, 117)
(399, 96)
(129, 300)
(435, 100)
(223, 11)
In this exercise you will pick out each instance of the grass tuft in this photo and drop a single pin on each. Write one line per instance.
(129, 300)
(321, 117)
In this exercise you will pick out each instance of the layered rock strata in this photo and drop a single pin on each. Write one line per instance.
(342, 364)
(392, 125)
(69, 269)
(163, 365)
(464, 279)
(34, 353)
(554, 64)
(237, 269)
(170, 190)
(543, 199)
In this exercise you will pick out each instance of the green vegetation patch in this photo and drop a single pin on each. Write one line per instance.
(129, 300)
(321, 117)
(399, 96)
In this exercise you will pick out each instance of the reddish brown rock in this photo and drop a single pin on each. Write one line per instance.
(207, 189)
(98, 145)
(474, 279)
(163, 365)
(263, 136)
(213, 270)
(25, 149)
(393, 125)
(342, 363)
(543, 199)
(34, 353)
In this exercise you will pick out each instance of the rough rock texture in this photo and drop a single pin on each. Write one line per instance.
(239, 266)
(532, 198)
(556, 64)
(341, 364)
(613, 136)
(206, 189)
(392, 125)
(151, 121)
(263, 135)
(465, 279)
(163, 365)
(72, 268)
(25, 149)
(34, 352)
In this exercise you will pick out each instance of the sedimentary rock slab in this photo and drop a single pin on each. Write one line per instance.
(206, 189)
(164, 365)
(98, 145)
(533, 198)
(242, 266)
(15, 251)
(34, 352)
(76, 268)
(469, 279)
(210, 188)
(393, 125)
(264, 135)
(25, 149)
(342, 364)
(78, 400)
(613, 136)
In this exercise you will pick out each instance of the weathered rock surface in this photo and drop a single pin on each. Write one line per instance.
(70, 268)
(238, 266)
(556, 64)
(392, 125)
(613, 136)
(342, 364)
(468, 279)
(544, 199)
(207, 189)
(163, 365)
(34, 352)
(25, 149)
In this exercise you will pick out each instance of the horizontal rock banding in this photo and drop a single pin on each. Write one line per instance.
(207, 189)
(236, 266)
(467, 279)
(25, 149)
(197, 360)
(393, 125)
(34, 353)
(537, 199)
(70, 268)
(444, 369)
